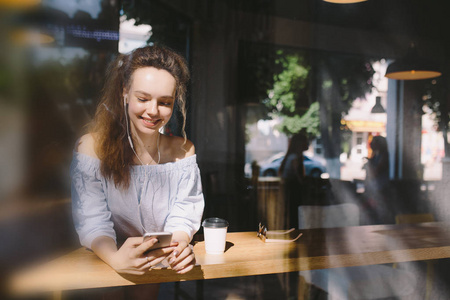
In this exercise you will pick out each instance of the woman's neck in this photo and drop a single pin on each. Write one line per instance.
(148, 147)
(148, 142)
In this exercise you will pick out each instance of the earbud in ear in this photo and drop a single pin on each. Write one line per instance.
(125, 98)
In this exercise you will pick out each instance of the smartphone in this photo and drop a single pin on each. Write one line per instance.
(164, 239)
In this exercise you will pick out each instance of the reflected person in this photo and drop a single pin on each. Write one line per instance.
(292, 173)
(377, 178)
(128, 178)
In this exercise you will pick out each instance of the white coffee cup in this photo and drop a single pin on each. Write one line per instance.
(215, 232)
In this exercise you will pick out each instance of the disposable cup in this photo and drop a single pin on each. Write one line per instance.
(215, 232)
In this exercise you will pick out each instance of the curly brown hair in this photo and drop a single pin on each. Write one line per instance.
(109, 123)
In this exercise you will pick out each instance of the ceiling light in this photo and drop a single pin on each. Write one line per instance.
(14, 4)
(344, 1)
(412, 67)
(378, 108)
(30, 37)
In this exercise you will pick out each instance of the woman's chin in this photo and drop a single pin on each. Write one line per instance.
(148, 130)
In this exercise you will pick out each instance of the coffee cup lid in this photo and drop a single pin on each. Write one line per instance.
(215, 223)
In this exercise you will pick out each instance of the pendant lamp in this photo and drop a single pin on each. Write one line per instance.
(25, 36)
(33, 27)
(378, 108)
(18, 4)
(344, 1)
(412, 67)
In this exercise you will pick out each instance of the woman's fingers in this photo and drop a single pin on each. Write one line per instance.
(133, 242)
(187, 269)
(180, 248)
(185, 265)
(151, 263)
(183, 260)
(144, 246)
(140, 258)
(181, 252)
(140, 262)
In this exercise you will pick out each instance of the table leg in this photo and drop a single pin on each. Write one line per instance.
(57, 295)
(303, 289)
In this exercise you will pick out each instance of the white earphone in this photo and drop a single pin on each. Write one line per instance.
(125, 105)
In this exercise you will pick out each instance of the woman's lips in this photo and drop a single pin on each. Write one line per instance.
(150, 122)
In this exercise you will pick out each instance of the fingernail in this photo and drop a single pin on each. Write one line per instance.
(175, 253)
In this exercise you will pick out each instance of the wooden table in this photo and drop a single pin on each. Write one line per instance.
(247, 255)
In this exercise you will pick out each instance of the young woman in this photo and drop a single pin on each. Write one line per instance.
(127, 177)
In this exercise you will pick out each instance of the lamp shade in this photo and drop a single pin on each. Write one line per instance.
(344, 1)
(18, 4)
(36, 26)
(378, 108)
(25, 36)
(412, 67)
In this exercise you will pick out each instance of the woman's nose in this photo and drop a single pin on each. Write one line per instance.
(152, 108)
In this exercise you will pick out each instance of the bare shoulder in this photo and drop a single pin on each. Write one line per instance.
(178, 147)
(86, 145)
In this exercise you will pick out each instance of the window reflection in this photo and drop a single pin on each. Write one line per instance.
(263, 71)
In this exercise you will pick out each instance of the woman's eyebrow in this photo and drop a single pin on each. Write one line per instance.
(143, 93)
(149, 95)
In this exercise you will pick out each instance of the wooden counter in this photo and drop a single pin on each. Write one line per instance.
(247, 255)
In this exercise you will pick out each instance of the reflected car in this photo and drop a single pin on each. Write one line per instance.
(313, 167)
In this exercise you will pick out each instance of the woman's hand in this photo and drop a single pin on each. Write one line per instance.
(182, 259)
(132, 258)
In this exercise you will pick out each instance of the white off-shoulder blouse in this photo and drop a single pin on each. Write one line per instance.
(170, 197)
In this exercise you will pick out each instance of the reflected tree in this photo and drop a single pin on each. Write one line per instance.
(436, 96)
(312, 92)
(288, 98)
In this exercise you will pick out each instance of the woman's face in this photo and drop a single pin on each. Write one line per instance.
(150, 99)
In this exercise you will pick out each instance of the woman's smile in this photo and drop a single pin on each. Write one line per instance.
(150, 122)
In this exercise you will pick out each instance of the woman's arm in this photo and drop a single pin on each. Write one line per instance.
(186, 213)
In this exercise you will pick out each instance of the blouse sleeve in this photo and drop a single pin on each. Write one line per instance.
(91, 215)
(187, 211)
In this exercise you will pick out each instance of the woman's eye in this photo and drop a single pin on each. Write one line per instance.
(165, 103)
(141, 99)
